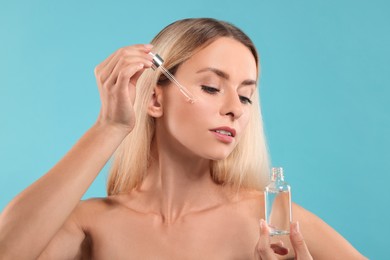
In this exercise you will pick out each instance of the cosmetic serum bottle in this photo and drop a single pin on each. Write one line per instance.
(278, 213)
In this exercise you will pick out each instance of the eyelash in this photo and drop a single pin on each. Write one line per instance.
(245, 100)
(210, 90)
(214, 91)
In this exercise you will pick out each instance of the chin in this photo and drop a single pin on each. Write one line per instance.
(217, 156)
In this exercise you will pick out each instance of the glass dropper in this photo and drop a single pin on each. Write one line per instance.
(157, 63)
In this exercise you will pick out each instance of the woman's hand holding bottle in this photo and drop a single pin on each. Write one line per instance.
(266, 251)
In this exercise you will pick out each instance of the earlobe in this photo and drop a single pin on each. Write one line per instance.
(155, 108)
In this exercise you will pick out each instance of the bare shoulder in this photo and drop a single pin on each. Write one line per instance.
(322, 240)
(95, 205)
(90, 211)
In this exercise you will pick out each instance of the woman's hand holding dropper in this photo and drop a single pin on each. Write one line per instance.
(116, 79)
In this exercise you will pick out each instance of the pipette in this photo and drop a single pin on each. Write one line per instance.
(157, 63)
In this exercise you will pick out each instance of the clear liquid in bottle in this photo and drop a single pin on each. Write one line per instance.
(278, 204)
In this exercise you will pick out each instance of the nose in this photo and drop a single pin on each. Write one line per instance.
(232, 105)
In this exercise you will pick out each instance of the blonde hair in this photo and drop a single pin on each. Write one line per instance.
(246, 167)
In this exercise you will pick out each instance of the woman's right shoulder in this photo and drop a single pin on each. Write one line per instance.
(97, 206)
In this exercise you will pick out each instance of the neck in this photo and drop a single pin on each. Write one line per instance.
(178, 184)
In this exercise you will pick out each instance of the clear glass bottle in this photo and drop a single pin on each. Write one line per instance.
(278, 213)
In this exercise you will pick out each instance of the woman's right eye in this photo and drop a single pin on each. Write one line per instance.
(210, 90)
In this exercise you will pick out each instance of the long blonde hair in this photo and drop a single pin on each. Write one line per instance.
(247, 166)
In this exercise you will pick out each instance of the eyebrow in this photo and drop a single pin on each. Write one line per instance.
(224, 75)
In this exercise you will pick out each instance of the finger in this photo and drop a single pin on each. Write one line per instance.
(127, 73)
(279, 248)
(123, 58)
(135, 77)
(146, 48)
(263, 246)
(105, 69)
(125, 62)
(298, 243)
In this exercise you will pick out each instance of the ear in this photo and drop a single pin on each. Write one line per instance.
(155, 107)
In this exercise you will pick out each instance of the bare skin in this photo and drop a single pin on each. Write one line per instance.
(179, 212)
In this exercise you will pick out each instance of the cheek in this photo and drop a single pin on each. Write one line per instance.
(188, 124)
(244, 119)
(189, 117)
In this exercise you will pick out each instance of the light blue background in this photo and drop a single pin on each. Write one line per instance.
(324, 86)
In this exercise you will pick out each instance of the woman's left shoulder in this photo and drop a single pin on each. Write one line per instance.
(322, 240)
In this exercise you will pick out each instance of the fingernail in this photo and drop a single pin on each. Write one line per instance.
(148, 46)
(297, 230)
(262, 224)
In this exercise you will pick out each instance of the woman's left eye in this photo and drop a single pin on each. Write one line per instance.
(214, 91)
(210, 90)
(245, 100)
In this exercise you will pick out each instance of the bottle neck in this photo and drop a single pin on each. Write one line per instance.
(277, 174)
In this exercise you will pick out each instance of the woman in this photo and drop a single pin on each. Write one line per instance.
(187, 178)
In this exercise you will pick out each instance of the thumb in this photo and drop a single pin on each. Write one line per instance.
(135, 77)
(297, 241)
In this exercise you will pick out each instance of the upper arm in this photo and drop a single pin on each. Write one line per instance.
(70, 242)
(322, 240)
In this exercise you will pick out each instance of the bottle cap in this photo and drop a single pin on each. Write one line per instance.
(157, 60)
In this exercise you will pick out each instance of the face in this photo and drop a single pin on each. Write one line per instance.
(222, 77)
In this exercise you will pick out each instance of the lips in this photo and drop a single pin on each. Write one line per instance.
(225, 131)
